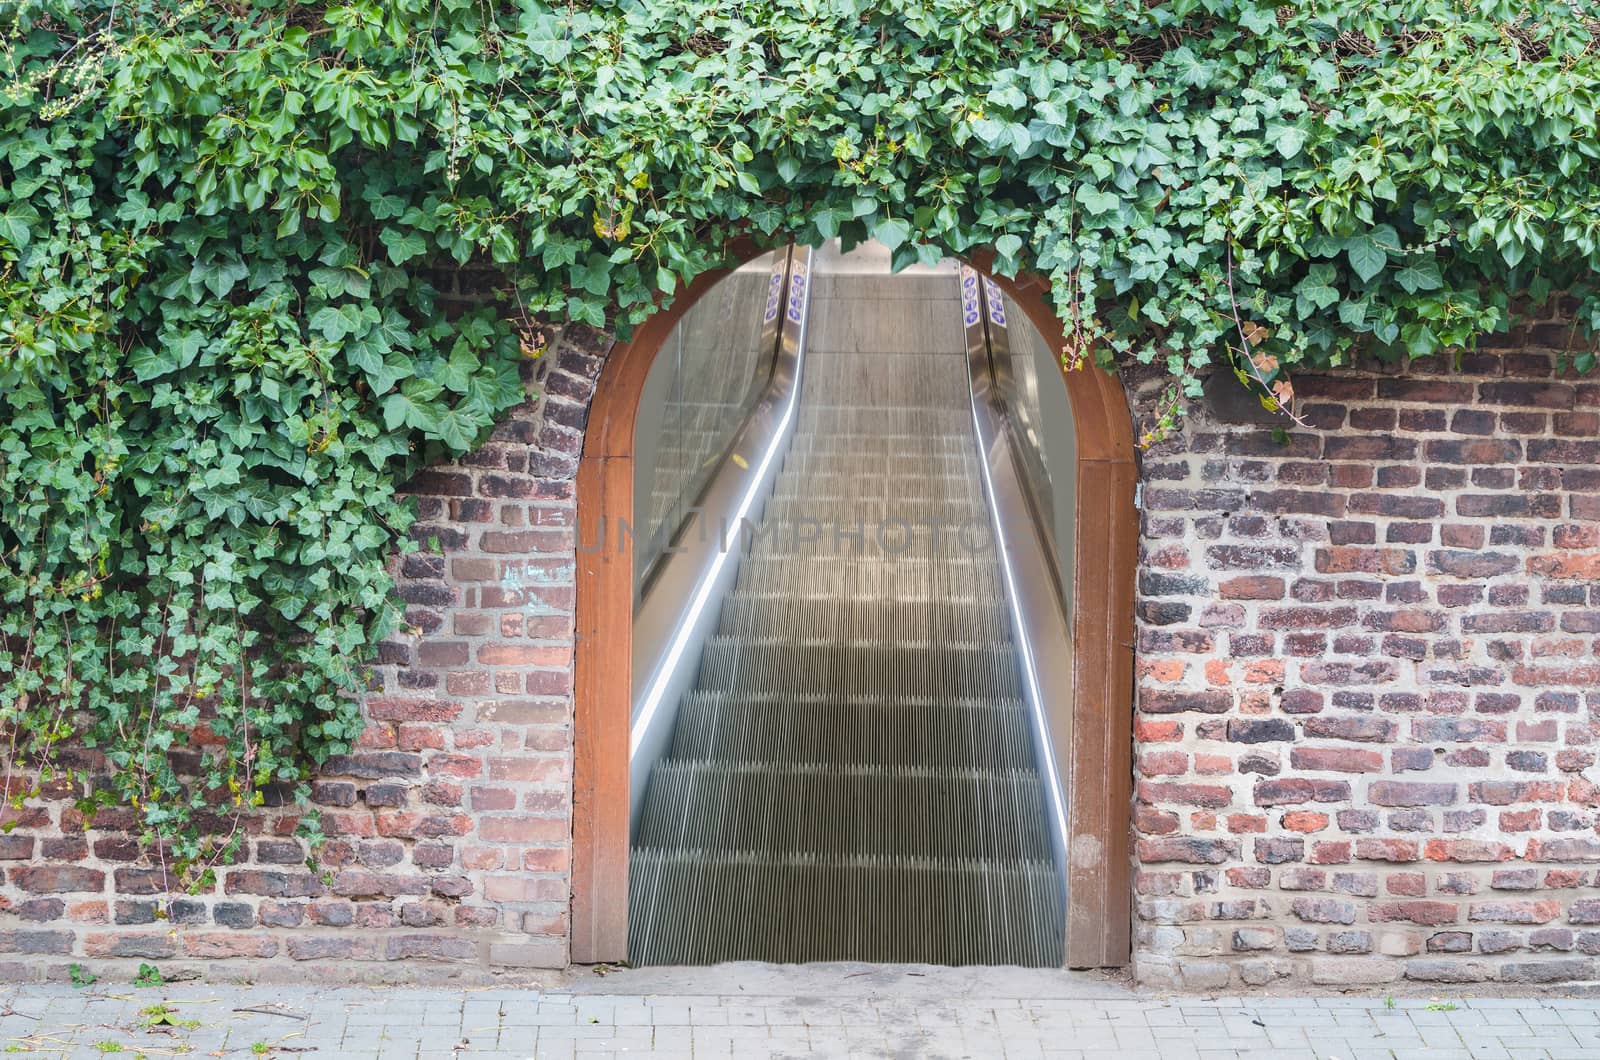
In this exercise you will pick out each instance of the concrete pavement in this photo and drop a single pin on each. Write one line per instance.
(765, 1011)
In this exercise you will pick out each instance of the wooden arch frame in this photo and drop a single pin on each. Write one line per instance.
(1099, 913)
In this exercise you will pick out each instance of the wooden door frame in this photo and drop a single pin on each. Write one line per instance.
(1099, 907)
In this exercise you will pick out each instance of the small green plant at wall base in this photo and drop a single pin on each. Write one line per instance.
(162, 1016)
(148, 975)
(223, 228)
(80, 976)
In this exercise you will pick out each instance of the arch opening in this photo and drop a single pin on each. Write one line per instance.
(1092, 529)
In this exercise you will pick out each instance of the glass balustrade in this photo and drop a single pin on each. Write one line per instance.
(710, 373)
(1028, 375)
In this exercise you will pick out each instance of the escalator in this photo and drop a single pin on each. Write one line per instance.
(857, 766)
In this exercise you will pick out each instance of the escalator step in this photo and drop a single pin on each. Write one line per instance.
(827, 419)
(832, 571)
(985, 671)
(843, 810)
(812, 618)
(694, 908)
(895, 732)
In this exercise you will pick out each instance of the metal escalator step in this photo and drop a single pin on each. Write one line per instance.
(889, 380)
(895, 732)
(930, 327)
(693, 908)
(876, 485)
(841, 811)
(829, 288)
(838, 572)
(832, 419)
(889, 513)
(864, 446)
(735, 664)
(812, 618)
(892, 536)
(881, 464)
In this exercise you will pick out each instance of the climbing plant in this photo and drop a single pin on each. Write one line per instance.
(222, 348)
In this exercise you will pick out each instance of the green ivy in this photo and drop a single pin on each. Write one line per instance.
(220, 350)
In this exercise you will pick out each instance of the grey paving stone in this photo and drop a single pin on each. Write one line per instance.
(560, 1025)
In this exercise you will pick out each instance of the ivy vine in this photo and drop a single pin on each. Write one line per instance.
(221, 351)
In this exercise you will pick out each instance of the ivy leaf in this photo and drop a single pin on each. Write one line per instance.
(1008, 247)
(1262, 21)
(456, 429)
(1369, 251)
(335, 322)
(1419, 275)
(891, 231)
(1353, 314)
(594, 275)
(1287, 139)
(456, 373)
(366, 354)
(219, 277)
(1098, 202)
(1187, 67)
(387, 373)
(412, 406)
(1316, 291)
(546, 36)
(148, 363)
(402, 244)
(16, 224)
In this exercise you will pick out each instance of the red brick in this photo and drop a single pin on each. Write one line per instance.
(1408, 793)
(1515, 911)
(1430, 914)
(523, 655)
(56, 879)
(1465, 850)
(1330, 852)
(524, 889)
(1252, 587)
(524, 829)
(1566, 565)
(229, 944)
(1372, 849)
(1406, 884)
(1294, 790)
(1336, 759)
(1163, 763)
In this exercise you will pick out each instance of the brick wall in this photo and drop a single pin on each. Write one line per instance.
(1369, 684)
(1364, 749)
(450, 824)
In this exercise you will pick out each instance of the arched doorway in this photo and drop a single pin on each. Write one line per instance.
(1104, 546)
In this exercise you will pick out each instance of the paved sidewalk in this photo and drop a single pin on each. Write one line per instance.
(761, 1011)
